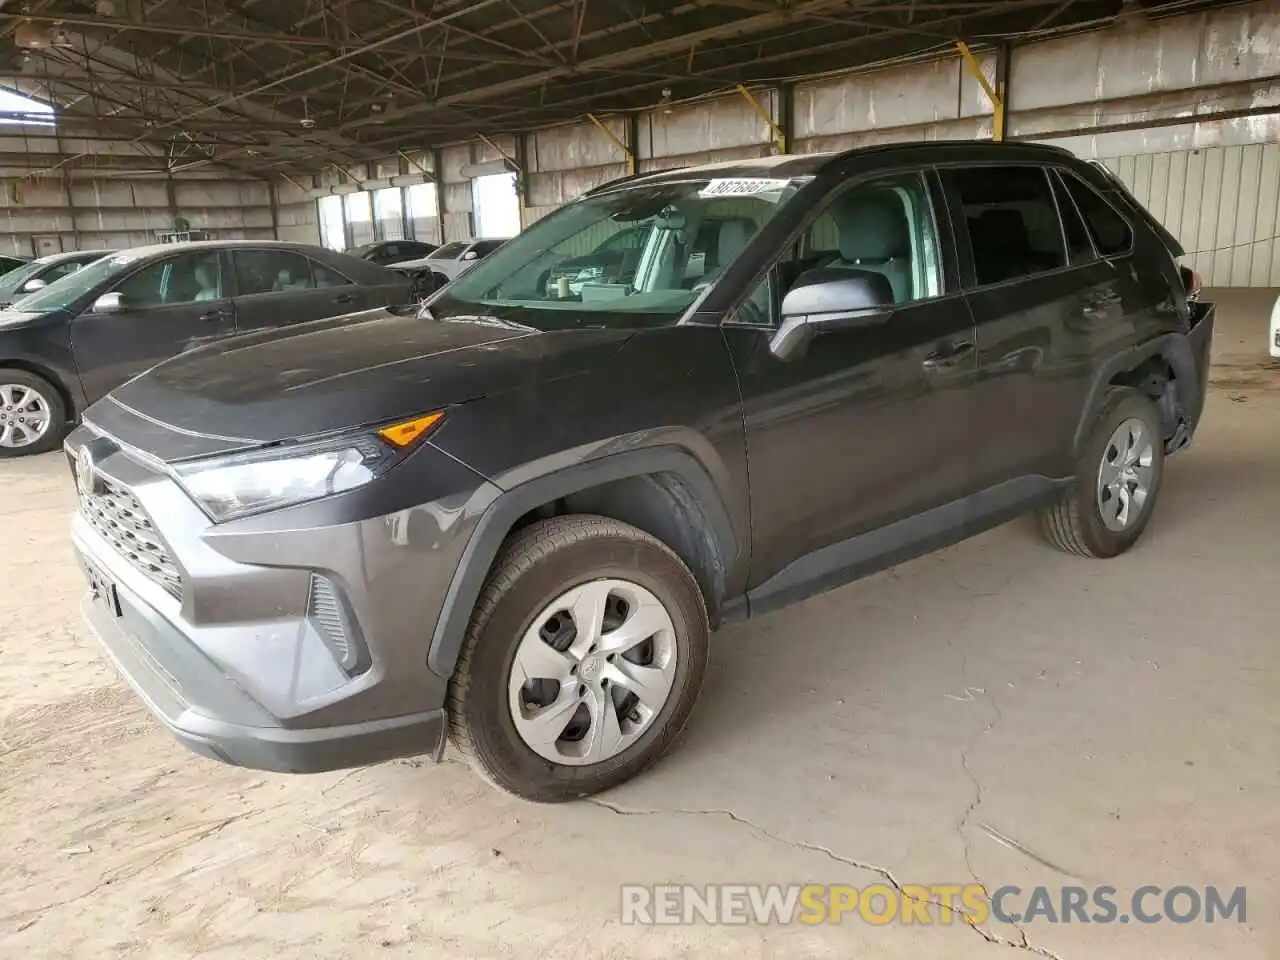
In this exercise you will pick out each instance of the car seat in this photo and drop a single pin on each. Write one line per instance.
(207, 277)
(875, 236)
(1001, 245)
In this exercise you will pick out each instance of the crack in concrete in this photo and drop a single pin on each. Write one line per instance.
(1022, 943)
(883, 872)
(35, 914)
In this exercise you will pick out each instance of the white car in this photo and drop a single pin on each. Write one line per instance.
(453, 259)
(1274, 339)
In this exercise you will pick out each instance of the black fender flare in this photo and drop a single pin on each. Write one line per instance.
(509, 506)
(1174, 348)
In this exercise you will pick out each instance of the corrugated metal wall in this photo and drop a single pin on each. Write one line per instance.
(1222, 203)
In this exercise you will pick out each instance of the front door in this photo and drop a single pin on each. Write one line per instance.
(867, 426)
(276, 288)
(165, 307)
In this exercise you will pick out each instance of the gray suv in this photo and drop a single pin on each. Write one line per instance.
(514, 518)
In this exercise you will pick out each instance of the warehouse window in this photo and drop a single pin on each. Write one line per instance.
(424, 212)
(359, 218)
(333, 229)
(388, 210)
(497, 208)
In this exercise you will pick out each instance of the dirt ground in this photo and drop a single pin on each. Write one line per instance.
(996, 711)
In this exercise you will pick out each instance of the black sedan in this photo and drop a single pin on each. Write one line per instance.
(35, 276)
(72, 342)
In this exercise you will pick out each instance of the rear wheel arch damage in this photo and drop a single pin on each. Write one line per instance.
(1164, 370)
(669, 505)
(1157, 378)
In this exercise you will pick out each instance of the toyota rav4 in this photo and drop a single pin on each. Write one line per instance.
(512, 518)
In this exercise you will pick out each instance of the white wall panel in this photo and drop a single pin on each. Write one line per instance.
(1222, 203)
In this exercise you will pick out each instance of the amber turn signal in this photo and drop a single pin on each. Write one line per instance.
(403, 434)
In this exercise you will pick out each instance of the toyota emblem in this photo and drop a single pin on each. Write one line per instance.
(86, 474)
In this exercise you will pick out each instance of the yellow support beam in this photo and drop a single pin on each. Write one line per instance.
(778, 136)
(627, 151)
(996, 96)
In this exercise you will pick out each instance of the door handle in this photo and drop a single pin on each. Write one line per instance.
(212, 316)
(343, 298)
(952, 355)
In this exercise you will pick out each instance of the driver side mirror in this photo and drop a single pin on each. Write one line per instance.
(827, 299)
(34, 284)
(470, 255)
(108, 303)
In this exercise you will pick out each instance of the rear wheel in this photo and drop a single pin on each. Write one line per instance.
(33, 418)
(582, 662)
(1118, 479)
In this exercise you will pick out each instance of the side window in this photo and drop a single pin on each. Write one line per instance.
(450, 251)
(1110, 231)
(271, 271)
(190, 278)
(1079, 246)
(1013, 224)
(60, 270)
(757, 309)
(885, 226)
(324, 277)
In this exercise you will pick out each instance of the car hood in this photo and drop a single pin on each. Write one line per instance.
(369, 368)
(10, 318)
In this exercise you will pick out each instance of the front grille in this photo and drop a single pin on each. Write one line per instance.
(115, 512)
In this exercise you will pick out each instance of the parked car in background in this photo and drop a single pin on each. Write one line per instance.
(70, 343)
(10, 263)
(35, 276)
(515, 519)
(387, 252)
(448, 262)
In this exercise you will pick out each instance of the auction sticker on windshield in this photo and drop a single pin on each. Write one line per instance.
(741, 187)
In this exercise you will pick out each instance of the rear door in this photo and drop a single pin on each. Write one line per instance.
(1042, 314)
(166, 306)
(281, 287)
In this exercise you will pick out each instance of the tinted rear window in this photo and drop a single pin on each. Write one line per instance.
(1012, 220)
(1111, 233)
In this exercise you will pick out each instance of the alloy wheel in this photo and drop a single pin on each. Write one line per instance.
(592, 672)
(1126, 474)
(25, 415)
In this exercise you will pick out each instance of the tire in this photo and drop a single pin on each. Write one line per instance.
(1085, 520)
(539, 568)
(36, 395)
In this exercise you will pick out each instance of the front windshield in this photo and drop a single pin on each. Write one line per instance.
(64, 292)
(11, 282)
(642, 253)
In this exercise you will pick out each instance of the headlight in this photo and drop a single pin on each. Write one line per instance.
(247, 483)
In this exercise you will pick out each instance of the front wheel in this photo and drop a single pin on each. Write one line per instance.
(33, 418)
(582, 661)
(1117, 480)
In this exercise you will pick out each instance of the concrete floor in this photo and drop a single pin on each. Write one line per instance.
(1116, 719)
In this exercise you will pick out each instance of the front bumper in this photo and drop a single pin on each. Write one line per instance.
(194, 699)
(232, 662)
